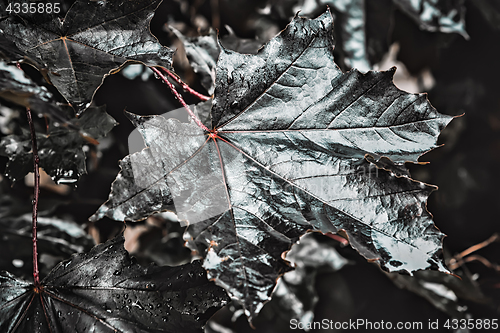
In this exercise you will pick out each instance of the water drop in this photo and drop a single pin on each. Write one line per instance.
(165, 319)
(179, 276)
(117, 272)
(125, 296)
(234, 105)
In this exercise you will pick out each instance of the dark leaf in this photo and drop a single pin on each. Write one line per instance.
(9, 50)
(94, 40)
(436, 15)
(203, 52)
(57, 240)
(441, 290)
(15, 87)
(61, 150)
(362, 28)
(105, 291)
(296, 290)
(289, 156)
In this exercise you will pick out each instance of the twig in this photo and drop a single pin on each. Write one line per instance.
(36, 161)
(479, 246)
(474, 257)
(463, 257)
(180, 99)
(184, 86)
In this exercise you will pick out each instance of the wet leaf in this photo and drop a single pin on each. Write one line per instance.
(15, 87)
(363, 28)
(61, 150)
(292, 134)
(203, 52)
(105, 291)
(93, 41)
(58, 239)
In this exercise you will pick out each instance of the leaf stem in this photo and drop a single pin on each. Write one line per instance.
(184, 86)
(180, 99)
(36, 161)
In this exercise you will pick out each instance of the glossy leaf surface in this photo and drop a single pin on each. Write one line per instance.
(105, 291)
(292, 134)
(94, 40)
(61, 150)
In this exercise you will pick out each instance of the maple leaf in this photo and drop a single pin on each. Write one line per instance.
(203, 51)
(290, 133)
(57, 238)
(16, 88)
(364, 27)
(93, 41)
(104, 290)
(61, 150)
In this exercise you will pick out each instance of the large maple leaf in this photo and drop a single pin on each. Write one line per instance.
(94, 39)
(287, 153)
(104, 290)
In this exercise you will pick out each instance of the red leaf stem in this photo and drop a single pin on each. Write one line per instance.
(180, 99)
(36, 161)
(185, 86)
(36, 190)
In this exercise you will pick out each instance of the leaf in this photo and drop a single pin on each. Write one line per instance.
(61, 150)
(105, 291)
(288, 156)
(296, 290)
(436, 15)
(57, 240)
(442, 290)
(93, 41)
(15, 87)
(363, 28)
(202, 52)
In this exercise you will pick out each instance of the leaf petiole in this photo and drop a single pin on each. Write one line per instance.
(36, 190)
(185, 86)
(36, 161)
(179, 98)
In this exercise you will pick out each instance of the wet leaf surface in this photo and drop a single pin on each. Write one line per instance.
(203, 52)
(94, 40)
(61, 150)
(293, 131)
(57, 240)
(15, 87)
(105, 291)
